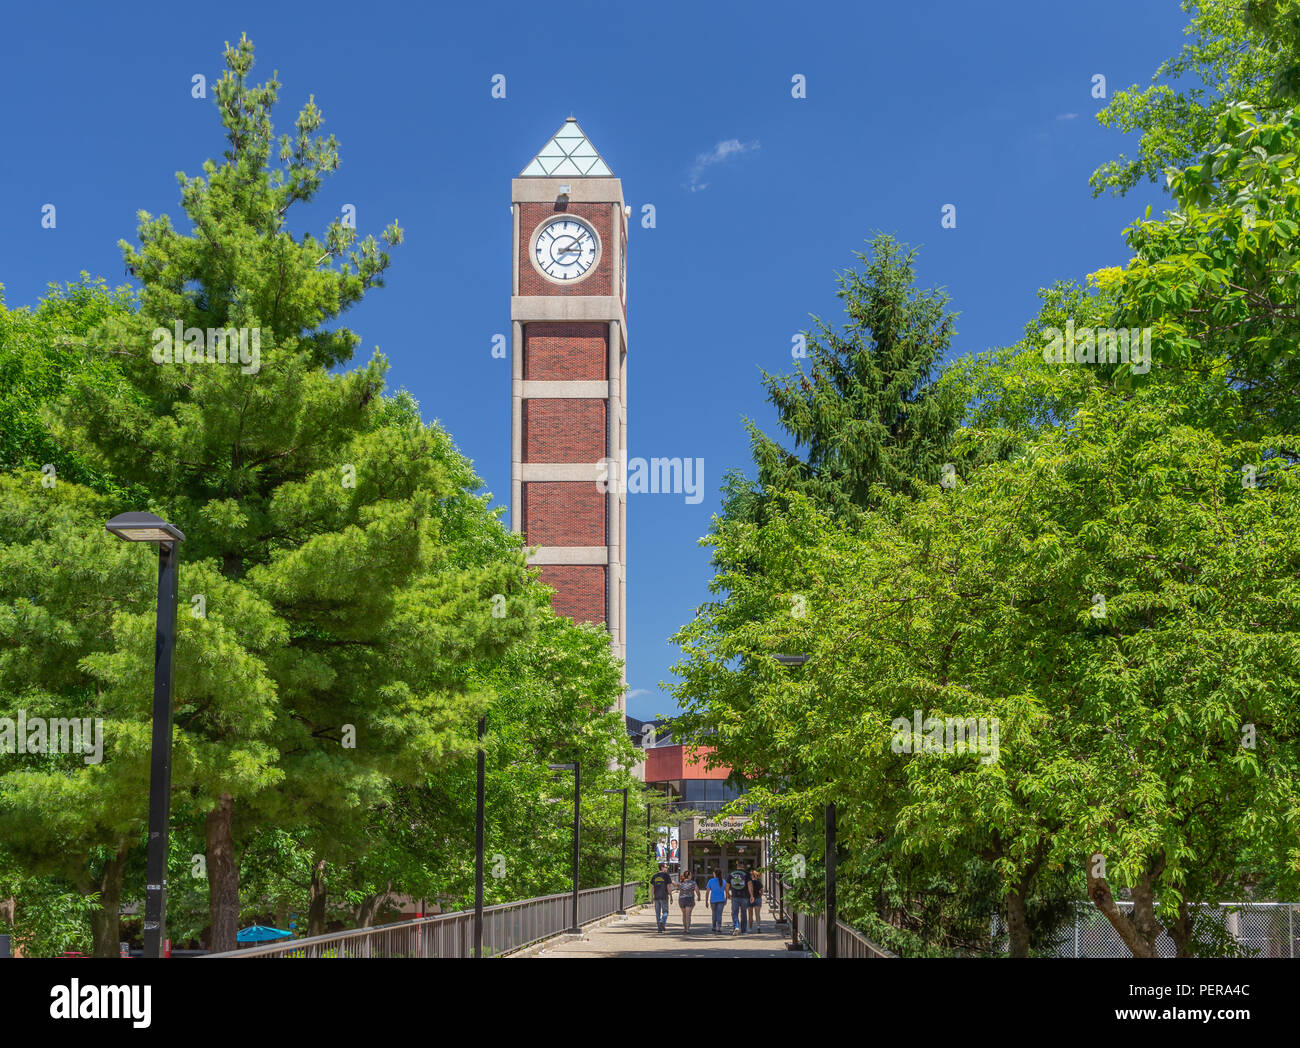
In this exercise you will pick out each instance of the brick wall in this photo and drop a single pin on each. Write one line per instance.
(571, 352)
(596, 282)
(557, 430)
(564, 430)
(579, 590)
(563, 513)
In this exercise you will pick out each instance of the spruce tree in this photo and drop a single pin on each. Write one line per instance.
(866, 411)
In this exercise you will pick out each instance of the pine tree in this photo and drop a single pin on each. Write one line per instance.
(866, 411)
(302, 485)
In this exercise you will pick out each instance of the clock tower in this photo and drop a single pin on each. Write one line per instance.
(568, 312)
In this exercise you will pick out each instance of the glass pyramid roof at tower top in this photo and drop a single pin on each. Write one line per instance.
(567, 154)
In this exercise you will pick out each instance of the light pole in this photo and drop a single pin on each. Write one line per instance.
(478, 840)
(832, 916)
(622, 880)
(145, 527)
(795, 944)
(577, 785)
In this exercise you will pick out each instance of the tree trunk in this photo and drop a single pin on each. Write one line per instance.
(1144, 911)
(316, 910)
(366, 911)
(105, 922)
(223, 876)
(1017, 924)
(9, 916)
(1139, 932)
(1180, 930)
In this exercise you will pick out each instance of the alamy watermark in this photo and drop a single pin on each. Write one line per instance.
(211, 346)
(656, 476)
(1099, 346)
(54, 735)
(947, 735)
(93, 1001)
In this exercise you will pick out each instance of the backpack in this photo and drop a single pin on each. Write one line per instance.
(738, 882)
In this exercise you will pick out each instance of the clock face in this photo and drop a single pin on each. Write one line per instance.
(565, 248)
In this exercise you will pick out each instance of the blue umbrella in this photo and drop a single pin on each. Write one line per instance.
(261, 933)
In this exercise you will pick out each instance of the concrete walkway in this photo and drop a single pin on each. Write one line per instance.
(636, 936)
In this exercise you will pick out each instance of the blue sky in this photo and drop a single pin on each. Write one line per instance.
(759, 197)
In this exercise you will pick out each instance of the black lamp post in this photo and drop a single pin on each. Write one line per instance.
(577, 784)
(478, 841)
(145, 527)
(622, 880)
(832, 914)
(795, 944)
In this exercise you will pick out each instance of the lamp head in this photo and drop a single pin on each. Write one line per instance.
(143, 527)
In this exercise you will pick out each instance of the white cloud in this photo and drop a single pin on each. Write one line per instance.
(1066, 116)
(720, 153)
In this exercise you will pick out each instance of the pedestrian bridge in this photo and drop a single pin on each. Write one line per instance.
(597, 922)
(637, 935)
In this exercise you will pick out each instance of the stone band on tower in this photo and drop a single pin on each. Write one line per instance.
(568, 312)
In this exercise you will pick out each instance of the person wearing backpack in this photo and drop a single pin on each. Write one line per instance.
(686, 889)
(738, 889)
(661, 886)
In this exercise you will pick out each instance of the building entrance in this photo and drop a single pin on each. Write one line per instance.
(706, 856)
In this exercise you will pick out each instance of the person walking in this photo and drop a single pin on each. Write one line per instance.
(717, 898)
(661, 885)
(738, 888)
(755, 900)
(686, 889)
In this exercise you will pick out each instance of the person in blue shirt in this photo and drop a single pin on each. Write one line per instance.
(717, 898)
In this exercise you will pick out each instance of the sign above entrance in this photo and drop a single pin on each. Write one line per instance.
(709, 827)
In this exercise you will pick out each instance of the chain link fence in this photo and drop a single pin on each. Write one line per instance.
(1247, 929)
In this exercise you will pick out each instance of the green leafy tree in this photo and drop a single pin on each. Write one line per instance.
(304, 488)
(45, 918)
(42, 351)
(77, 627)
(1240, 52)
(1121, 734)
(1217, 278)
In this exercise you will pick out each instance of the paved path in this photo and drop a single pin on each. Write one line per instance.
(636, 937)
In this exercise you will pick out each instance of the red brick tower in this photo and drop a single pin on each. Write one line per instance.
(568, 311)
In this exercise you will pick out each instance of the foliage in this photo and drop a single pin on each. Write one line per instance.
(1240, 52)
(866, 411)
(1217, 278)
(42, 353)
(346, 593)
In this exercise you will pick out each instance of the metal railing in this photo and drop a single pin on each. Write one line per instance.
(849, 942)
(507, 927)
(1260, 929)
